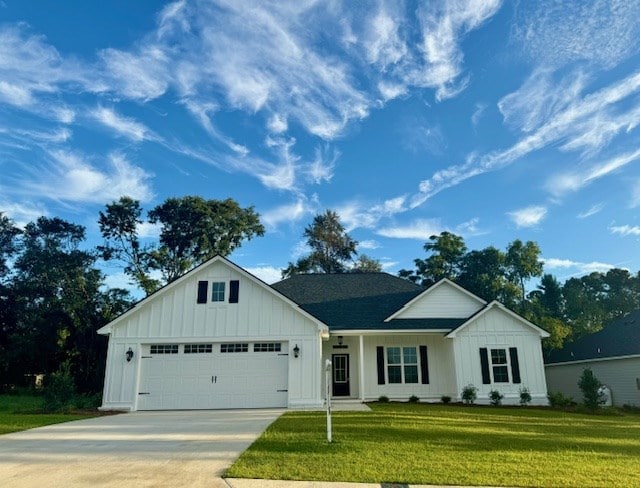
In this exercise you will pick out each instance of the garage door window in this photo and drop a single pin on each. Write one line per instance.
(267, 347)
(164, 349)
(198, 348)
(239, 347)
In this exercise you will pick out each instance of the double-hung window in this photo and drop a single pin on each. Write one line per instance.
(402, 365)
(500, 365)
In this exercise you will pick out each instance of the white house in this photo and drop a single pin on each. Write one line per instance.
(613, 354)
(219, 337)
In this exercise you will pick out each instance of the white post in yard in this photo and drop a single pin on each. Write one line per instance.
(327, 376)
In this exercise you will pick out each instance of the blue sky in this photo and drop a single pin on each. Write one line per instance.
(494, 120)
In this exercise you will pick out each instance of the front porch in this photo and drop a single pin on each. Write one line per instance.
(395, 364)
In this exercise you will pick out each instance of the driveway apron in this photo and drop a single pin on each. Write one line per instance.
(177, 448)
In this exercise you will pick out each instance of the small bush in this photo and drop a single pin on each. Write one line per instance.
(469, 394)
(495, 398)
(525, 396)
(413, 399)
(557, 399)
(592, 396)
(445, 399)
(59, 391)
(383, 399)
(88, 401)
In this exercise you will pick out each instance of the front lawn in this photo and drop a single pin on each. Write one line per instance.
(21, 412)
(437, 444)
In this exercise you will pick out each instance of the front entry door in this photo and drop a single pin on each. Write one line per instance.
(340, 366)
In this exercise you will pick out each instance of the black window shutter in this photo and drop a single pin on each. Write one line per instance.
(203, 287)
(515, 365)
(424, 365)
(380, 353)
(484, 363)
(234, 288)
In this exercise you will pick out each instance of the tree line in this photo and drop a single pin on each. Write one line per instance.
(53, 296)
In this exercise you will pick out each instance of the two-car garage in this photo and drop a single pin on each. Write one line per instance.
(175, 376)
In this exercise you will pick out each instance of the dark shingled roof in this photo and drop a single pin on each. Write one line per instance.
(620, 338)
(358, 301)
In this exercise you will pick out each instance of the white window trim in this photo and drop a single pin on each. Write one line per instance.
(224, 292)
(402, 365)
(507, 365)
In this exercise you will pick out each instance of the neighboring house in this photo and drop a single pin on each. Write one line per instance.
(613, 354)
(219, 337)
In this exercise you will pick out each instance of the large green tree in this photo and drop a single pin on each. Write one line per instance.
(523, 262)
(192, 230)
(119, 225)
(332, 248)
(446, 254)
(58, 305)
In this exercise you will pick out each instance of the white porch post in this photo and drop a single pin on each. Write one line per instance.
(361, 364)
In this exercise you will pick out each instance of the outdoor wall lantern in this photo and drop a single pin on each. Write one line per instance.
(340, 339)
(129, 355)
(296, 351)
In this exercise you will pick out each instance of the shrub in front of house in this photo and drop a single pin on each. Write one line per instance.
(558, 400)
(525, 396)
(495, 398)
(469, 394)
(383, 399)
(413, 399)
(589, 385)
(445, 399)
(59, 391)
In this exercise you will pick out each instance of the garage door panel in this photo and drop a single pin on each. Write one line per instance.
(213, 380)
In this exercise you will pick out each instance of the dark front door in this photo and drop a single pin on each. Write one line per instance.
(340, 365)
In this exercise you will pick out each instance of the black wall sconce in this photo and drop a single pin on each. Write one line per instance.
(129, 355)
(296, 351)
(340, 340)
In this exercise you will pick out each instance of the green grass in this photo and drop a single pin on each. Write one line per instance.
(21, 412)
(436, 444)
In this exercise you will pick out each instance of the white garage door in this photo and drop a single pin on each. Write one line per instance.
(213, 375)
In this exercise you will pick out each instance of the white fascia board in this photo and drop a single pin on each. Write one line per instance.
(543, 333)
(429, 290)
(592, 360)
(351, 332)
(322, 327)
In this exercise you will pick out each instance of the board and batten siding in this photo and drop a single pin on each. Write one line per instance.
(442, 301)
(621, 375)
(496, 329)
(440, 360)
(173, 316)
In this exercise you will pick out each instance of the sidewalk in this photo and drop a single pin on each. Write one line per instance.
(247, 483)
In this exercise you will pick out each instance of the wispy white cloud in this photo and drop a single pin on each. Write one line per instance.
(580, 268)
(368, 244)
(24, 212)
(543, 132)
(480, 109)
(420, 229)
(594, 209)
(268, 274)
(557, 32)
(140, 75)
(635, 194)
(625, 230)
(562, 183)
(528, 216)
(121, 125)
(74, 179)
(289, 213)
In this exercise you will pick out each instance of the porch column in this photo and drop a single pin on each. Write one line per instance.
(361, 364)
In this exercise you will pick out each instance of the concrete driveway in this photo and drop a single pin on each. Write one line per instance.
(178, 448)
